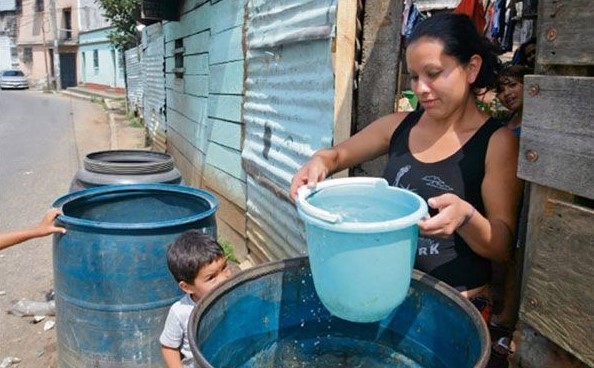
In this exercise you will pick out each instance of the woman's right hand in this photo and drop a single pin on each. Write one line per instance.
(312, 172)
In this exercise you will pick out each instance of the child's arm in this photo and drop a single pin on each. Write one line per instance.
(172, 357)
(45, 227)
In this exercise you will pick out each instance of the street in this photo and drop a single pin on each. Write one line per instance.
(43, 138)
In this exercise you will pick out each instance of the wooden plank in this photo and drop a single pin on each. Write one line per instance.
(226, 46)
(556, 146)
(228, 186)
(225, 159)
(225, 107)
(226, 14)
(226, 78)
(226, 133)
(565, 32)
(378, 71)
(344, 70)
(557, 298)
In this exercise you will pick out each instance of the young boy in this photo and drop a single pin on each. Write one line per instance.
(198, 264)
(45, 227)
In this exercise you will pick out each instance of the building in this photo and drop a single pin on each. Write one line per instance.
(36, 39)
(101, 64)
(8, 54)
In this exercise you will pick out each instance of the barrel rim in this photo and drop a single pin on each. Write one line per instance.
(145, 162)
(109, 189)
(275, 266)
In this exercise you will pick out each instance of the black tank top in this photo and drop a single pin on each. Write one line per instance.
(450, 260)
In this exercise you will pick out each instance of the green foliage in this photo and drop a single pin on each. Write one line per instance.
(229, 253)
(122, 15)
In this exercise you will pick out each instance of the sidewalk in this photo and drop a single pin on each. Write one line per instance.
(124, 132)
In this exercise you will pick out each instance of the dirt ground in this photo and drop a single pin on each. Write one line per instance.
(20, 337)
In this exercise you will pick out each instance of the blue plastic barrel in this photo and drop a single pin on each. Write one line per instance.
(271, 316)
(113, 287)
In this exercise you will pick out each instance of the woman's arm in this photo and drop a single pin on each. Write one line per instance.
(367, 144)
(490, 236)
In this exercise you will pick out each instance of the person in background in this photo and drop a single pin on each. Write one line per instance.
(510, 92)
(198, 264)
(526, 54)
(44, 228)
(451, 153)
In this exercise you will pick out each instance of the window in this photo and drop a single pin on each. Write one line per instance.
(67, 19)
(27, 55)
(96, 59)
(19, 6)
(39, 6)
(178, 53)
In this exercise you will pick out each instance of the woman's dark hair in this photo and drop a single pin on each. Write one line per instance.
(461, 40)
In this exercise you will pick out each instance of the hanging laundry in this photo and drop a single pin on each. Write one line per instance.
(474, 9)
(414, 17)
(405, 13)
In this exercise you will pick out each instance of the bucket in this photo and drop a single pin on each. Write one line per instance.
(125, 167)
(361, 240)
(113, 288)
(271, 316)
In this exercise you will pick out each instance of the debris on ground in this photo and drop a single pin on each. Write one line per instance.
(37, 319)
(49, 325)
(24, 308)
(10, 362)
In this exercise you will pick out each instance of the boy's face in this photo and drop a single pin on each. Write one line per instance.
(208, 277)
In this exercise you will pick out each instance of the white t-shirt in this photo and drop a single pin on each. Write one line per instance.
(175, 332)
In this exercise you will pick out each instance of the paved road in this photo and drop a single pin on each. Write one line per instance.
(43, 138)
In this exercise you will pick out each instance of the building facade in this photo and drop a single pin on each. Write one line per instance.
(39, 42)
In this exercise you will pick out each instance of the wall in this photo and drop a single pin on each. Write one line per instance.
(91, 16)
(107, 74)
(288, 113)
(204, 129)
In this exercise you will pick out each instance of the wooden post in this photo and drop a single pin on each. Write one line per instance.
(378, 72)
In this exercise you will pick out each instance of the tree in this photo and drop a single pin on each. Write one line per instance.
(122, 14)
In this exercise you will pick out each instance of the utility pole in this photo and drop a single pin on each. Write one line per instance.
(47, 72)
(54, 16)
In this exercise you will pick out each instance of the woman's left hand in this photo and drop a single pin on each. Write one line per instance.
(453, 213)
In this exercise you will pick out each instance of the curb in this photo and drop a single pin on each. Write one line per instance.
(113, 137)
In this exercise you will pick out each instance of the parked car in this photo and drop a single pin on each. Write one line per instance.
(13, 78)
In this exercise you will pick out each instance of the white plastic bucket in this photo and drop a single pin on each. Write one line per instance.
(362, 239)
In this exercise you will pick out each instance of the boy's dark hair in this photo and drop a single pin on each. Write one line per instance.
(191, 251)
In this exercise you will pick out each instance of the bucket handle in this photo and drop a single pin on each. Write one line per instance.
(302, 194)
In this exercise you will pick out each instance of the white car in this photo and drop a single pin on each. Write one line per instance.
(13, 79)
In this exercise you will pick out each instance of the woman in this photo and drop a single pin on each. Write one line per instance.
(451, 153)
(510, 91)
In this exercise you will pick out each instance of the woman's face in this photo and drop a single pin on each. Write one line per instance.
(510, 93)
(440, 81)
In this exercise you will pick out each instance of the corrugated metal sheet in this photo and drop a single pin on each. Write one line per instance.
(153, 63)
(288, 113)
(134, 80)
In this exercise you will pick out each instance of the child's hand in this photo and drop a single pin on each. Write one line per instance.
(46, 226)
